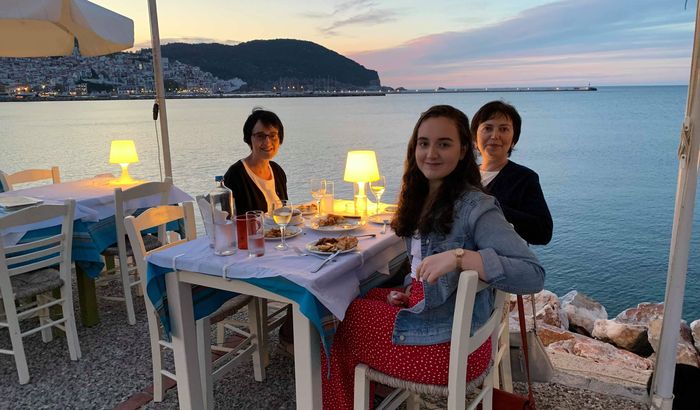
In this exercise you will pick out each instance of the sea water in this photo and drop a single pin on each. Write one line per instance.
(606, 159)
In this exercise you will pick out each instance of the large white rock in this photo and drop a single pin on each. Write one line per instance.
(547, 310)
(623, 335)
(695, 328)
(582, 312)
(601, 352)
(685, 352)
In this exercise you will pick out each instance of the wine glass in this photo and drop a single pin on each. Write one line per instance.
(378, 187)
(318, 190)
(282, 213)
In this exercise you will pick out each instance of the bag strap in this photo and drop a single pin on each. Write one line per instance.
(521, 317)
(534, 308)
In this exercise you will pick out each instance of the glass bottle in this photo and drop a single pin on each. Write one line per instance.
(223, 233)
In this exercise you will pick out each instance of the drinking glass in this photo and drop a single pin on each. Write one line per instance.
(255, 233)
(282, 214)
(318, 190)
(327, 199)
(378, 187)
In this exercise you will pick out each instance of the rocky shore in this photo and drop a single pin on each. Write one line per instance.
(590, 350)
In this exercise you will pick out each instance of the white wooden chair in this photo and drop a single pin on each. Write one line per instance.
(502, 374)
(122, 250)
(461, 345)
(29, 175)
(210, 372)
(36, 276)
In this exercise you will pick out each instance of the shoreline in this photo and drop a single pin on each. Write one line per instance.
(29, 98)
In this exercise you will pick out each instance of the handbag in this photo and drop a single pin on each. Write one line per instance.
(503, 400)
(541, 368)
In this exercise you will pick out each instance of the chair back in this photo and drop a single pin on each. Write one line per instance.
(462, 344)
(29, 175)
(129, 200)
(39, 253)
(158, 217)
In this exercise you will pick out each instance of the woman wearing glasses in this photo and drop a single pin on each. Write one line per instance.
(256, 181)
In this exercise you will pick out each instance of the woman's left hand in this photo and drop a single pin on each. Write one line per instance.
(434, 266)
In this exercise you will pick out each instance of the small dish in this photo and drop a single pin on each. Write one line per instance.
(310, 247)
(308, 209)
(290, 232)
(347, 224)
(380, 218)
(391, 209)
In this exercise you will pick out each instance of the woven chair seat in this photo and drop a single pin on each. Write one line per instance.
(35, 282)
(430, 389)
(149, 241)
(229, 308)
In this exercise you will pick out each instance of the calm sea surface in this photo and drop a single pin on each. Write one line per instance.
(606, 160)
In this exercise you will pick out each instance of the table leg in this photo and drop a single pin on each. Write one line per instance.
(87, 298)
(307, 362)
(184, 341)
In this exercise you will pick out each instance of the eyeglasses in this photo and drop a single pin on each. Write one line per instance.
(261, 136)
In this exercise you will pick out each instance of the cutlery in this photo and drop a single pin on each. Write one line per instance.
(328, 259)
(369, 235)
(303, 253)
(386, 221)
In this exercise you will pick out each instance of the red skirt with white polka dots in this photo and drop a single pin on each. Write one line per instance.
(364, 336)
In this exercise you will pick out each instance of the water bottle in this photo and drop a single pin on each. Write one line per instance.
(223, 232)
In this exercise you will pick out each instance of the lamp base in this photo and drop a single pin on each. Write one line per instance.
(124, 178)
(361, 205)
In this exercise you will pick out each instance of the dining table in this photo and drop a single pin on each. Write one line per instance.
(94, 226)
(187, 282)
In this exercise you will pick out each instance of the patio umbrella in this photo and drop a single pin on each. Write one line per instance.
(44, 28)
(688, 155)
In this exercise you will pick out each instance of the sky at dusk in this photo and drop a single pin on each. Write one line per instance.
(455, 43)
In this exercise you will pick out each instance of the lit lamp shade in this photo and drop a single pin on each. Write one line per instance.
(361, 167)
(123, 152)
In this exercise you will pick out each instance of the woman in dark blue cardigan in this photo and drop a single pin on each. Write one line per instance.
(496, 129)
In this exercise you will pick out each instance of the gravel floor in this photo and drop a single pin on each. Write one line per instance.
(116, 364)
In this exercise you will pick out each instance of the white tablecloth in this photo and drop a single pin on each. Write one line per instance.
(94, 201)
(335, 285)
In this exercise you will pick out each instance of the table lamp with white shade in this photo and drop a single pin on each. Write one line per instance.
(361, 167)
(123, 152)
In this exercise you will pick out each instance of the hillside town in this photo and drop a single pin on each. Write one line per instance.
(120, 75)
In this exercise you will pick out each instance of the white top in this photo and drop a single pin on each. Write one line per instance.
(266, 186)
(416, 257)
(488, 176)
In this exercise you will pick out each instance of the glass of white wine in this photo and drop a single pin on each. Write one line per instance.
(318, 190)
(282, 214)
(378, 187)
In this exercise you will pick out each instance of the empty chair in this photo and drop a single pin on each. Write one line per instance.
(28, 271)
(125, 202)
(8, 181)
(461, 345)
(502, 374)
(251, 343)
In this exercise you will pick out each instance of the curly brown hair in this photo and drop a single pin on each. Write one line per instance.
(414, 190)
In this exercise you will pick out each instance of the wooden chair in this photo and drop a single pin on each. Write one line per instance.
(27, 271)
(121, 250)
(29, 175)
(210, 372)
(502, 374)
(461, 345)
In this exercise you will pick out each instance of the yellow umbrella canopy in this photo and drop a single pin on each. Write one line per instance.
(44, 28)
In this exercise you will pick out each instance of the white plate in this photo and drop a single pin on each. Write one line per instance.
(308, 209)
(310, 245)
(379, 218)
(290, 232)
(13, 202)
(297, 219)
(350, 224)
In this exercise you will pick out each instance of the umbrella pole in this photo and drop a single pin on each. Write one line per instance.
(160, 87)
(662, 385)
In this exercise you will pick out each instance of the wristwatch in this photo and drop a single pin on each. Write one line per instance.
(459, 252)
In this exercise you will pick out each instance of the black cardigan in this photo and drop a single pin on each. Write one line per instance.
(518, 190)
(247, 195)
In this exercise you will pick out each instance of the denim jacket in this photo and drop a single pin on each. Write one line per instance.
(509, 265)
